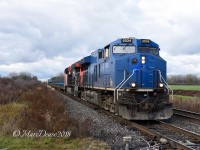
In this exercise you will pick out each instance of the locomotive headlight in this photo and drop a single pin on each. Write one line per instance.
(133, 84)
(143, 62)
(143, 59)
(161, 85)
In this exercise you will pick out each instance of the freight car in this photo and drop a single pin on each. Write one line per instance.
(126, 77)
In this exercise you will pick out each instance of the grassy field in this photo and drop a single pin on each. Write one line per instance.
(185, 87)
(186, 97)
(45, 143)
(182, 97)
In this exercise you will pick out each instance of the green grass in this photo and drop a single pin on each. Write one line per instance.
(44, 143)
(185, 97)
(17, 143)
(185, 87)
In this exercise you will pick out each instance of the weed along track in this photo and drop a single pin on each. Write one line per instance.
(186, 100)
(150, 134)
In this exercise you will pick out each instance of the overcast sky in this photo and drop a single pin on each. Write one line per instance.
(44, 37)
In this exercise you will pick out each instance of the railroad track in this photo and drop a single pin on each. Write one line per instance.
(195, 136)
(188, 138)
(187, 114)
(172, 144)
(165, 141)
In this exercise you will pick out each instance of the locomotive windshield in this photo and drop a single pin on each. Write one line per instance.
(151, 50)
(123, 49)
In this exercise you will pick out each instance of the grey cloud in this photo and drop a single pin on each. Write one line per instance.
(33, 32)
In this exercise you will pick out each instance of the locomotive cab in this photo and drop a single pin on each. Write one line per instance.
(138, 77)
(139, 61)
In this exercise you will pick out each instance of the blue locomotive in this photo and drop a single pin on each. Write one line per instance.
(126, 77)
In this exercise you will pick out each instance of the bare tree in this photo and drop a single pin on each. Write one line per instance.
(13, 75)
(191, 79)
(59, 77)
(22, 76)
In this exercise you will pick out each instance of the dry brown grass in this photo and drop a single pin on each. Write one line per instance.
(43, 109)
(10, 117)
(186, 103)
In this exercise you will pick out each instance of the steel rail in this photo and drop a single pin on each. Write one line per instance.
(181, 130)
(187, 114)
(155, 134)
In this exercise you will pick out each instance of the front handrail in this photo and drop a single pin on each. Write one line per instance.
(166, 84)
(124, 83)
(119, 85)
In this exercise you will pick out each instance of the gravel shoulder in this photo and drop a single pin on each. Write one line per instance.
(104, 128)
(186, 124)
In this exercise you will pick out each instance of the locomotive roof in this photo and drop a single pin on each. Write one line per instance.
(137, 42)
(122, 41)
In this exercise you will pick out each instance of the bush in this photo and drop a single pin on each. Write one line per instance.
(8, 91)
(11, 90)
(46, 111)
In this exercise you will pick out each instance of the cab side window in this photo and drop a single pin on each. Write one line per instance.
(101, 55)
(107, 52)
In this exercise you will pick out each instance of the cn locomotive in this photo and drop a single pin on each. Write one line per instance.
(126, 77)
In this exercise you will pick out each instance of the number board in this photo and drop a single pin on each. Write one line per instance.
(145, 41)
(127, 40)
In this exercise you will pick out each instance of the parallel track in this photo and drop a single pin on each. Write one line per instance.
(172, 144)
(193, 135)
(187, 114)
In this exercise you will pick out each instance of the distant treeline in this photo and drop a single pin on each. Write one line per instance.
(171, 79)
(183, 79)
(22, 76)
(59, 77)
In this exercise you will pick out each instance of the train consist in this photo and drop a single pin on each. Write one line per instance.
(126, 77)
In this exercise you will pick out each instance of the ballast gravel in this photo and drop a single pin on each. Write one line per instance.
(186, 124)
(104, 128)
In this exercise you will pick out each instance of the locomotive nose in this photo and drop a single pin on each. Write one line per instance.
(147, 75)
